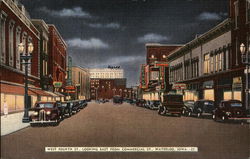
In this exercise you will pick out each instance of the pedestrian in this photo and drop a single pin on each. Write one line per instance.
(5, 109)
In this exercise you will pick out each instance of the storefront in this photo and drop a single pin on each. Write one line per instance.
(208, 90)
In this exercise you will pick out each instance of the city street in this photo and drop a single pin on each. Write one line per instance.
(131, 126)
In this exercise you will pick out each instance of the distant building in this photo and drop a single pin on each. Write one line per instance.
(154, 79)
(106, 73)
(107, 88)
(81, 80)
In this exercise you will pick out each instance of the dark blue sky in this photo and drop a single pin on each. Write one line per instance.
(114, 32)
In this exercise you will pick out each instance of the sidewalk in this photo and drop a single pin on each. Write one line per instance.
(12, 123)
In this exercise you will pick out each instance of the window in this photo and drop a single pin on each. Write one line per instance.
(206, 64)
(216, 62)
(220, 61)
(18, 41)
(11, 43)
(236, 12)
(2, 38)
(211, 63)
(236, 51)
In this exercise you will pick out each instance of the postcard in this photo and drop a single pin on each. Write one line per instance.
(121, 79)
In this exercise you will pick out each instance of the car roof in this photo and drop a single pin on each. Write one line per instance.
(204, 100)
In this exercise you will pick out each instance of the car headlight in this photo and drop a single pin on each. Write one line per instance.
(35, 113)
(48, 112)
(228, 113)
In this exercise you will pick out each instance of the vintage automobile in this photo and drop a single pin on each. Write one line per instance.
(117, 100)
(46, 112)
(229, 110)
(155, 104)
(68, 105)
(82, 104)
(141, 102)
(203, 107)
(172, 104)
(188, 107)
(76, 106)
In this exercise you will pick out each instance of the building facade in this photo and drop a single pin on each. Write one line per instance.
(107, 88)
(154, 74)
(43, 29)
(106, 73)
(81, 81)
(201, 68)
(57, 60)
(15, 28)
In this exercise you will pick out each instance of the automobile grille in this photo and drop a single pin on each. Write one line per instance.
(42, 115)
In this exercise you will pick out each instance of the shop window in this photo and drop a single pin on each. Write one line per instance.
(209, 94)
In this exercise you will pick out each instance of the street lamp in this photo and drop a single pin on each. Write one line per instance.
(25, 57)
(245, 57)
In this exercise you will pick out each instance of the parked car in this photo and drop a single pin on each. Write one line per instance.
(46, 112)
(82, 104)
(188, 107)
(76, 106)
(172, 104)
(229, 109)
(67, 108)
(141, 102)
(203, 107)
(117, 100)
(148, 103)
(155, 104)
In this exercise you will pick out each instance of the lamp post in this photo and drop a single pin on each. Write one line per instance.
(25, 57)
(245, 56)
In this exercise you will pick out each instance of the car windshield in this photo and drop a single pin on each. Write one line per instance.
(45, 105)
(236, 105)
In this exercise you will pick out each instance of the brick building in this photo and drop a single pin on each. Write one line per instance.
(107, 88)
(43, 29)
(57, 60)
(154, 74)
(210, 66)
(15, 28)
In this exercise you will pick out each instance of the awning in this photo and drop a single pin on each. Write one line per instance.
(55, 94)
(19, 90)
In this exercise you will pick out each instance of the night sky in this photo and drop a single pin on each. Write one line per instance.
(114, 32)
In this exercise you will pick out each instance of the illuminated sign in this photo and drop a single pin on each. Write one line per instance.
(57, 84)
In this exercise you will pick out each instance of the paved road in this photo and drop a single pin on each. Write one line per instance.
(127, 125)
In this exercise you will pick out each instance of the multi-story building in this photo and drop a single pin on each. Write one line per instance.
(106, 73)
(57, 59)
(107, 88)
(81, 81)
(240, 15)
(210, 66)
(154, 74)
(15, 28)
(201, 68)
(43, 28)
